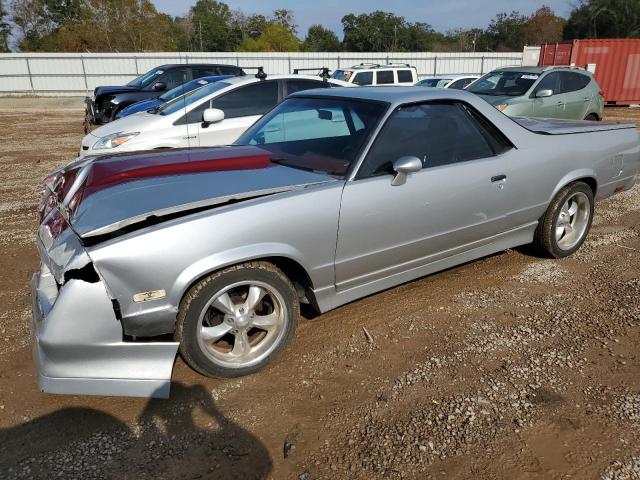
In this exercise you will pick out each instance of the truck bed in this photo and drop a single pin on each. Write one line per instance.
(552, 126)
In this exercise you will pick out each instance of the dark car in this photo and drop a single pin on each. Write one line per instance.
(107, 101)
(151, 103)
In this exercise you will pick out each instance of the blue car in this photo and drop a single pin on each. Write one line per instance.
(150, 103)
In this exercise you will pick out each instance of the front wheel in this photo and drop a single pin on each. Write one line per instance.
(565, 224)
(235, 321)
(593, 117)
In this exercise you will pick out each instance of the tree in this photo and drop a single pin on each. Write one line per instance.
(285, 18)
(5, 29)
(320, 39)
(543, 27)
(249, 25)
(276, 38)
(506, 31)
(211, 27)
(372, 32)
(40, 21)
(604, 19)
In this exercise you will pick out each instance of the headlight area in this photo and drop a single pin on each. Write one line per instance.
(114, 140)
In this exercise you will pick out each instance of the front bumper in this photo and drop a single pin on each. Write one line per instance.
(78, 345)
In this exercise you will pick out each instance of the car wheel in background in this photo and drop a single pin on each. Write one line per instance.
(566, 223)
(235, 321)
(592, 117)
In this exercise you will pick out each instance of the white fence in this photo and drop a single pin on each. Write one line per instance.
(73, 73)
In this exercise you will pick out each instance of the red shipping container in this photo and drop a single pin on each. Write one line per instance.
(615, 63)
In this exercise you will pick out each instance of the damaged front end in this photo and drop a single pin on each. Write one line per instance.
(79, 345)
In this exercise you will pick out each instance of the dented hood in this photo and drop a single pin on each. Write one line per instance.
(114, 192)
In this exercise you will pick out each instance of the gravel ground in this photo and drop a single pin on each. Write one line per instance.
(510, 367)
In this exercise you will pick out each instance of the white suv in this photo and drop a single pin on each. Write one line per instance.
(400, 74)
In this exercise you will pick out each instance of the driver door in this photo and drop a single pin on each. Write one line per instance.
(455, 203)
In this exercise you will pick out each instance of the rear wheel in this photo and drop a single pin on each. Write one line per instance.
(565, 224)
(592, 117)
(235, 321)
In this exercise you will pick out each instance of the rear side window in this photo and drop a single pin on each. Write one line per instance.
(572, 82)
(438, 133)
(255, 99)
(363, 78)
(384, 77)
(229, 71)
(405, 76)
(299, 85)
(204, 71)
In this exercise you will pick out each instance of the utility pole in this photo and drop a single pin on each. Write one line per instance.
(200, 27)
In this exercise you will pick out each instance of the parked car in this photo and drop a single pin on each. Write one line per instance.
(548, 92)
(401, 74)
(215, 114)
(333, 195)
(458, 82)
(105, 102)
(145, 105)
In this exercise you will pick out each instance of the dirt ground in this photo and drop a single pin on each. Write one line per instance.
(511, 367)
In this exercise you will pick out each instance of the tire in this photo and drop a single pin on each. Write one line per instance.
(566, 223)
(236, 321)
(593, 117)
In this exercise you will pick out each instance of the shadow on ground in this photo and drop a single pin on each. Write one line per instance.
(165, 442)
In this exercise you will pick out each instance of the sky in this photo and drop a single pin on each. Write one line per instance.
(441, 14)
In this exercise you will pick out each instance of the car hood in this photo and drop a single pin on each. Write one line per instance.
(106, 90)
(141, 106)
(138, 122)
(117, 192)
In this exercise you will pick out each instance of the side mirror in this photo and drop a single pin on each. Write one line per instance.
(403, 167)
(159, 87)
(212, 115)
(547, 92)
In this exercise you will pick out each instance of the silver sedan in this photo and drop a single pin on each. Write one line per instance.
(333, 195)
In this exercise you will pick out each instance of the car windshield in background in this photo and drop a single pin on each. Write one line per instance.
(341, 75)
(190, 97)
(507, 83)
(434, 82)
(316, 134)
(145, 79)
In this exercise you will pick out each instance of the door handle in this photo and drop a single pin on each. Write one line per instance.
(498, 178)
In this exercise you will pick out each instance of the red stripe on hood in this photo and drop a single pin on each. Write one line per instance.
(110, 171)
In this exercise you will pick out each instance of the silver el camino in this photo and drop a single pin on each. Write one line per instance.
(334, 195)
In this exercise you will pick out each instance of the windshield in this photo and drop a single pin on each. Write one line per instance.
(434, 82)
(145, 79)
(343, 75)
(509, 83)
(188, 98)
(317, 134)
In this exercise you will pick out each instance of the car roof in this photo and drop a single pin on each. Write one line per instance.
(292, 76)
(173, 65)
(541, 70)
(393, 95)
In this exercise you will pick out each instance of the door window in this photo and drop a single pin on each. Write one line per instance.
(437, 133)
(405, 76)
(363, 78)
(460, 84)
(174, 78)
(550, 82)
(572, 82)
(254, 99)
(384, 77)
